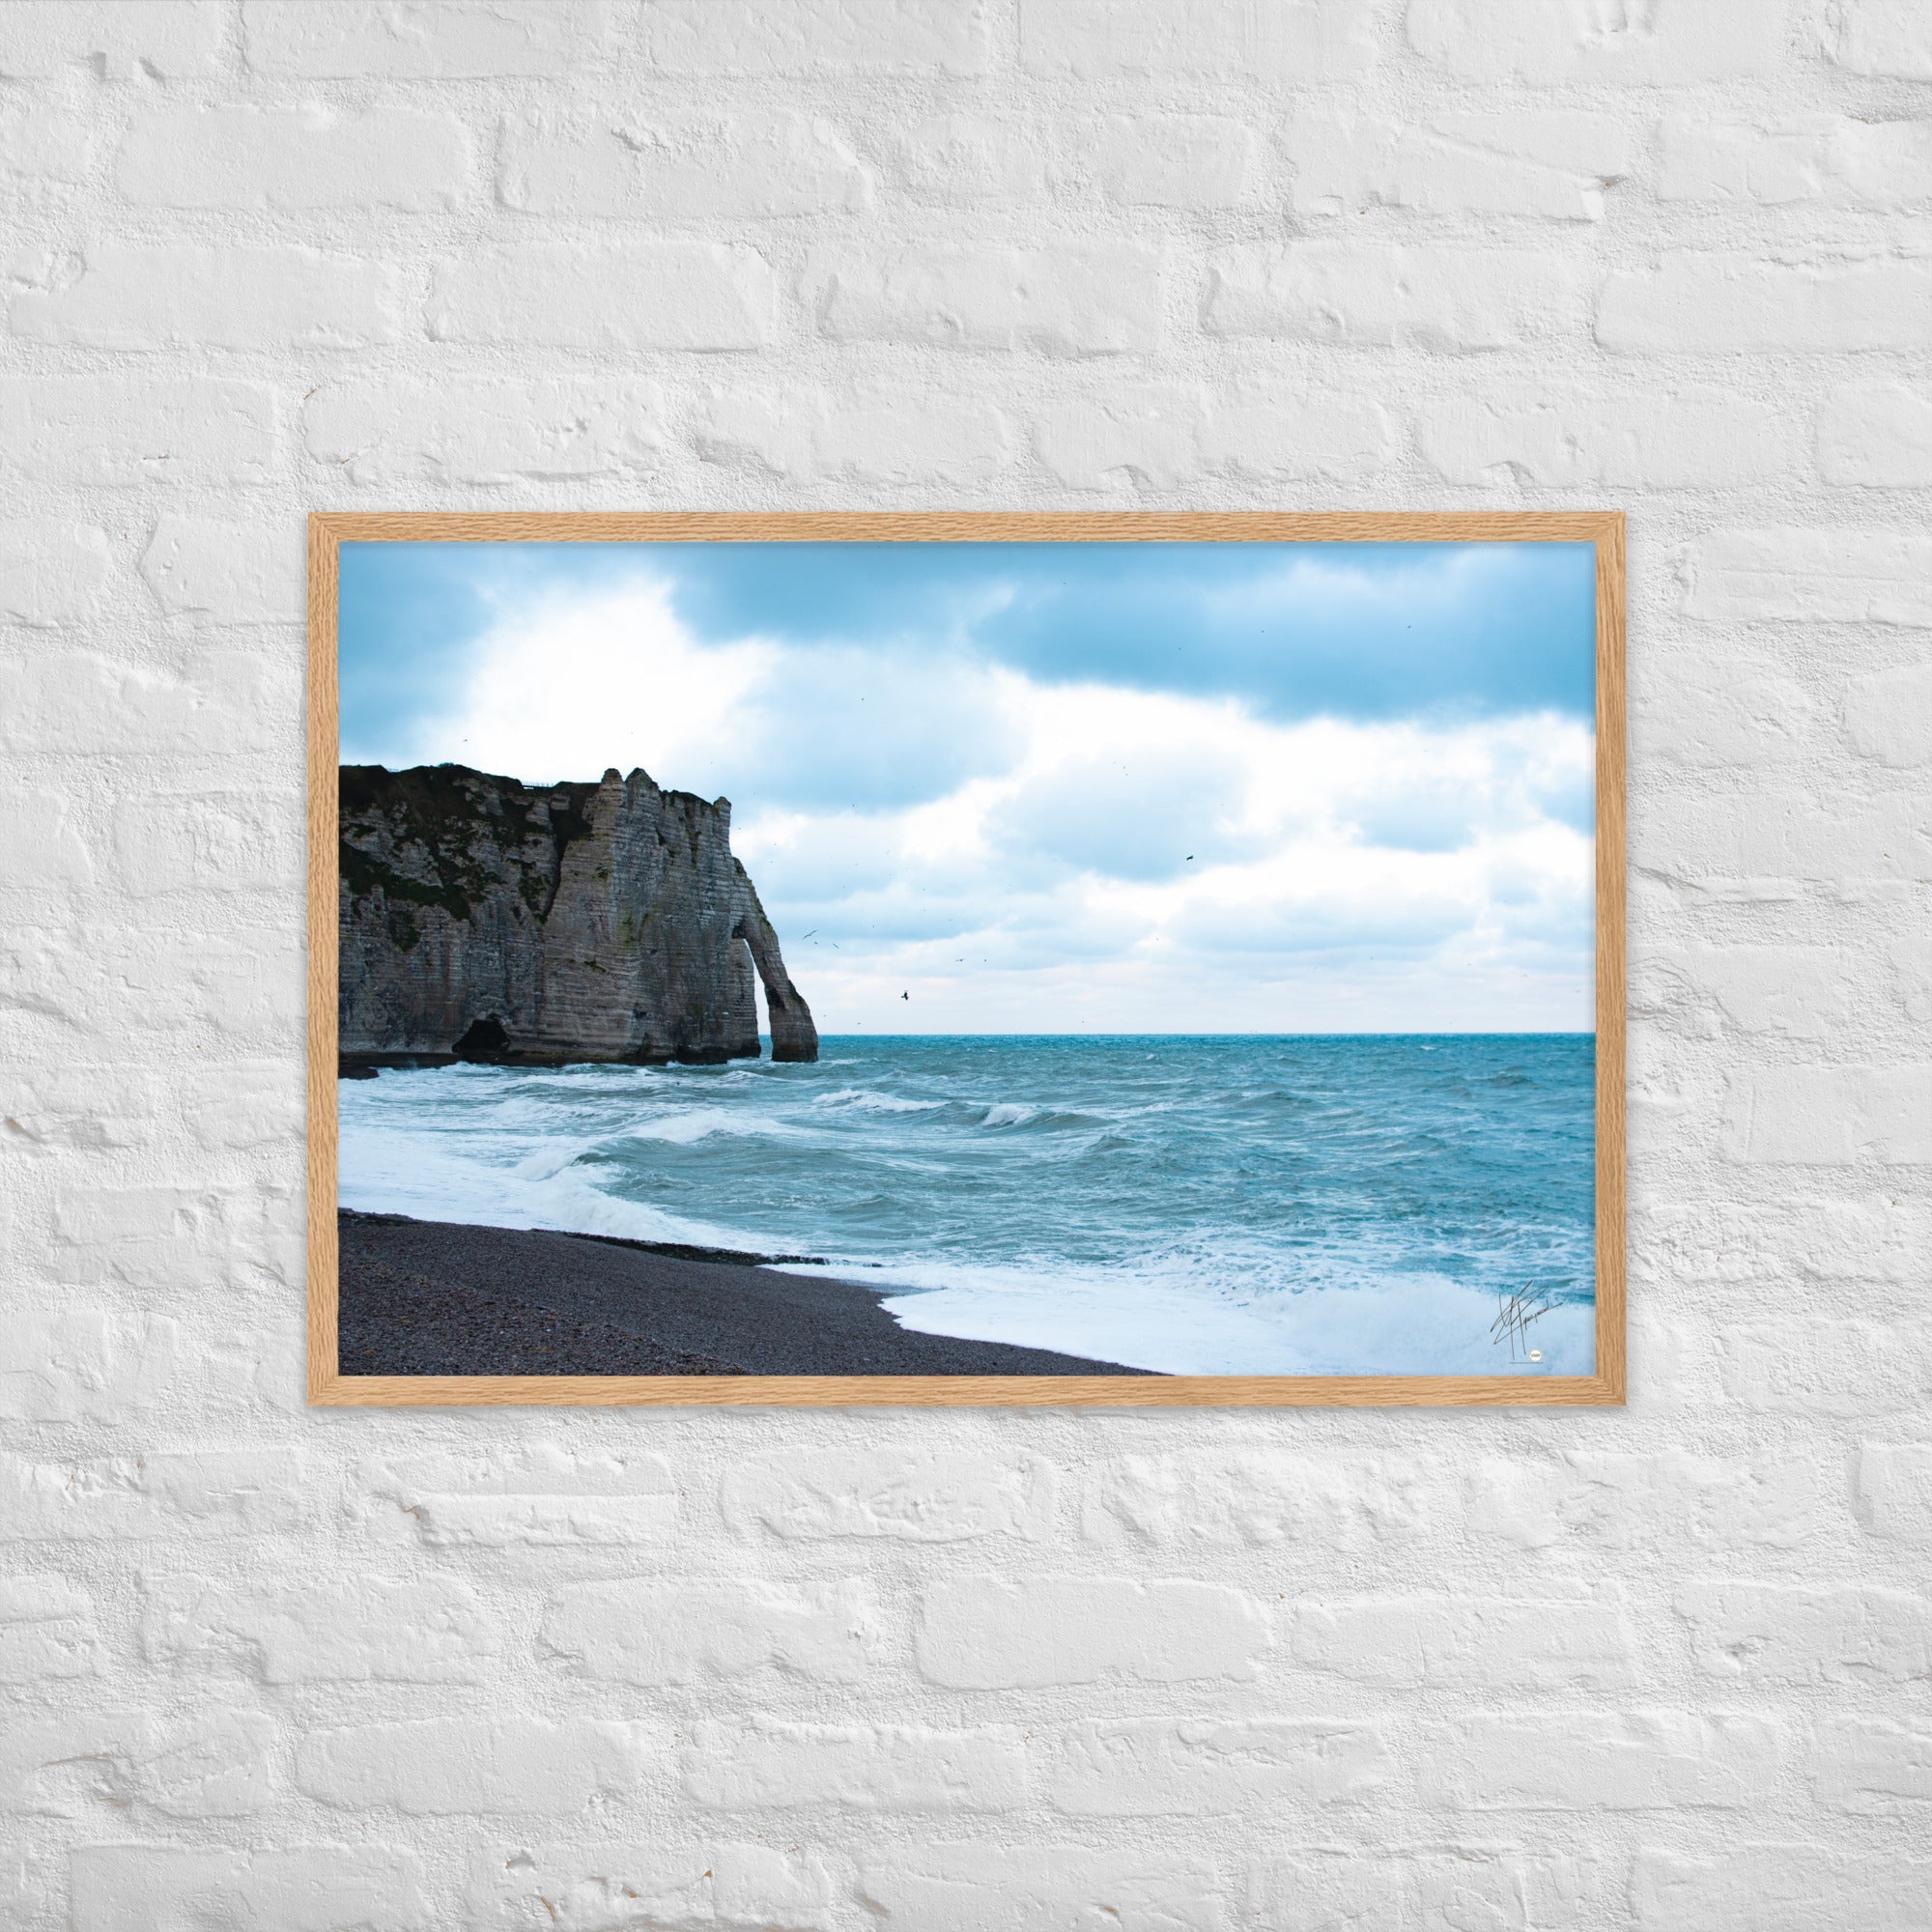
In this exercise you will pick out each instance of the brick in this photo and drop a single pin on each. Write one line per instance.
(226, 573)
(1888, 37)
(1465, 1642)
(1522, 1891)
(1077, 298)
(243, 1103)
(964, 1888)
(645, 295)
(217, 699)
(1889, 716)
(47, 1631)
(425, 40)
(170, 38)
(1796, 992)
(1172, 160)
(1210, 1767)
(27, 1883)
(1701, 303)
(1336, 1892)
(959, 159)
(1271, 433)
(205, 842)
(203, 1492)
(85, 1107)
(1403, 1884)
(294, 158)
(1298, 40)
(1911, 980)
(1550, 165)
(1836, 575)
(695, 37)
(1755, 846)
(1607, 1500)
(43, 143)
(983, 1634)
(1894, 1490)
(1442, 298)
(162, 979)
(751, 168)
(1875, 434)
(381, 432)
(1830, 1115)
(653, 1884)
(873, 436)
(219, 1764)
(1867, 1764)
(61, 1364)
(539, 1496)
(214, 1765)
(646, 1632)
(43, 848)
(1852, 1369)
(306, 1889)
(178, 295)
(1820, 158)
(1721, 715)
(1671, 44)
(1589, 1761)
(1147, 438)
(1777, 1887)
(430, 1629)
(38, 984)
(1795, 1634)
(1157, 439)
(488, 1765)
(121, 431)
(762, 1763)
(1252, 1498)
(910, 1497)
(51, 571)
(1577, 436)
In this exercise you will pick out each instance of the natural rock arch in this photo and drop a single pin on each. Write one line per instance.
(482, 918)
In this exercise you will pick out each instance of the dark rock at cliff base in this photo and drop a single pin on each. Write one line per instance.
(485, 919)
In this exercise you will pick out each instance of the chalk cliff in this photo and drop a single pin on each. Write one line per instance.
(487, 920)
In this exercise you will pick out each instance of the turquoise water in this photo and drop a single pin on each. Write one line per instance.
(1268, 1206)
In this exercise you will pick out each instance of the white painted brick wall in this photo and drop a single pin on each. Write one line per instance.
(1660, 1668)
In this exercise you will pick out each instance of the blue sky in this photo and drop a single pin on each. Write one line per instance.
(1057, 787)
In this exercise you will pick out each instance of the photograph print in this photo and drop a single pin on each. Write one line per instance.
(974, 960)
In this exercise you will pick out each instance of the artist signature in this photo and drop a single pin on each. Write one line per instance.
(1514, 1315)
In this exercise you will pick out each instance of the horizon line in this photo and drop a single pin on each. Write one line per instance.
(1332, 1032)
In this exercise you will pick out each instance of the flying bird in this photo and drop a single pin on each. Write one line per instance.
(906, 996)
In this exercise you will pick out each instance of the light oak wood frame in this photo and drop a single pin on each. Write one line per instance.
(327, 1385)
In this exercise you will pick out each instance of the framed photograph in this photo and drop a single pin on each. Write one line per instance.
(966, 958)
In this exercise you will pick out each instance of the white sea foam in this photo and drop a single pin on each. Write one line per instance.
(396, 1169)
(1173, 1321)
(550, 1158)
(866, 1102)
(698, 1124)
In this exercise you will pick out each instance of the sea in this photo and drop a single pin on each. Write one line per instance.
(1297, 1205)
